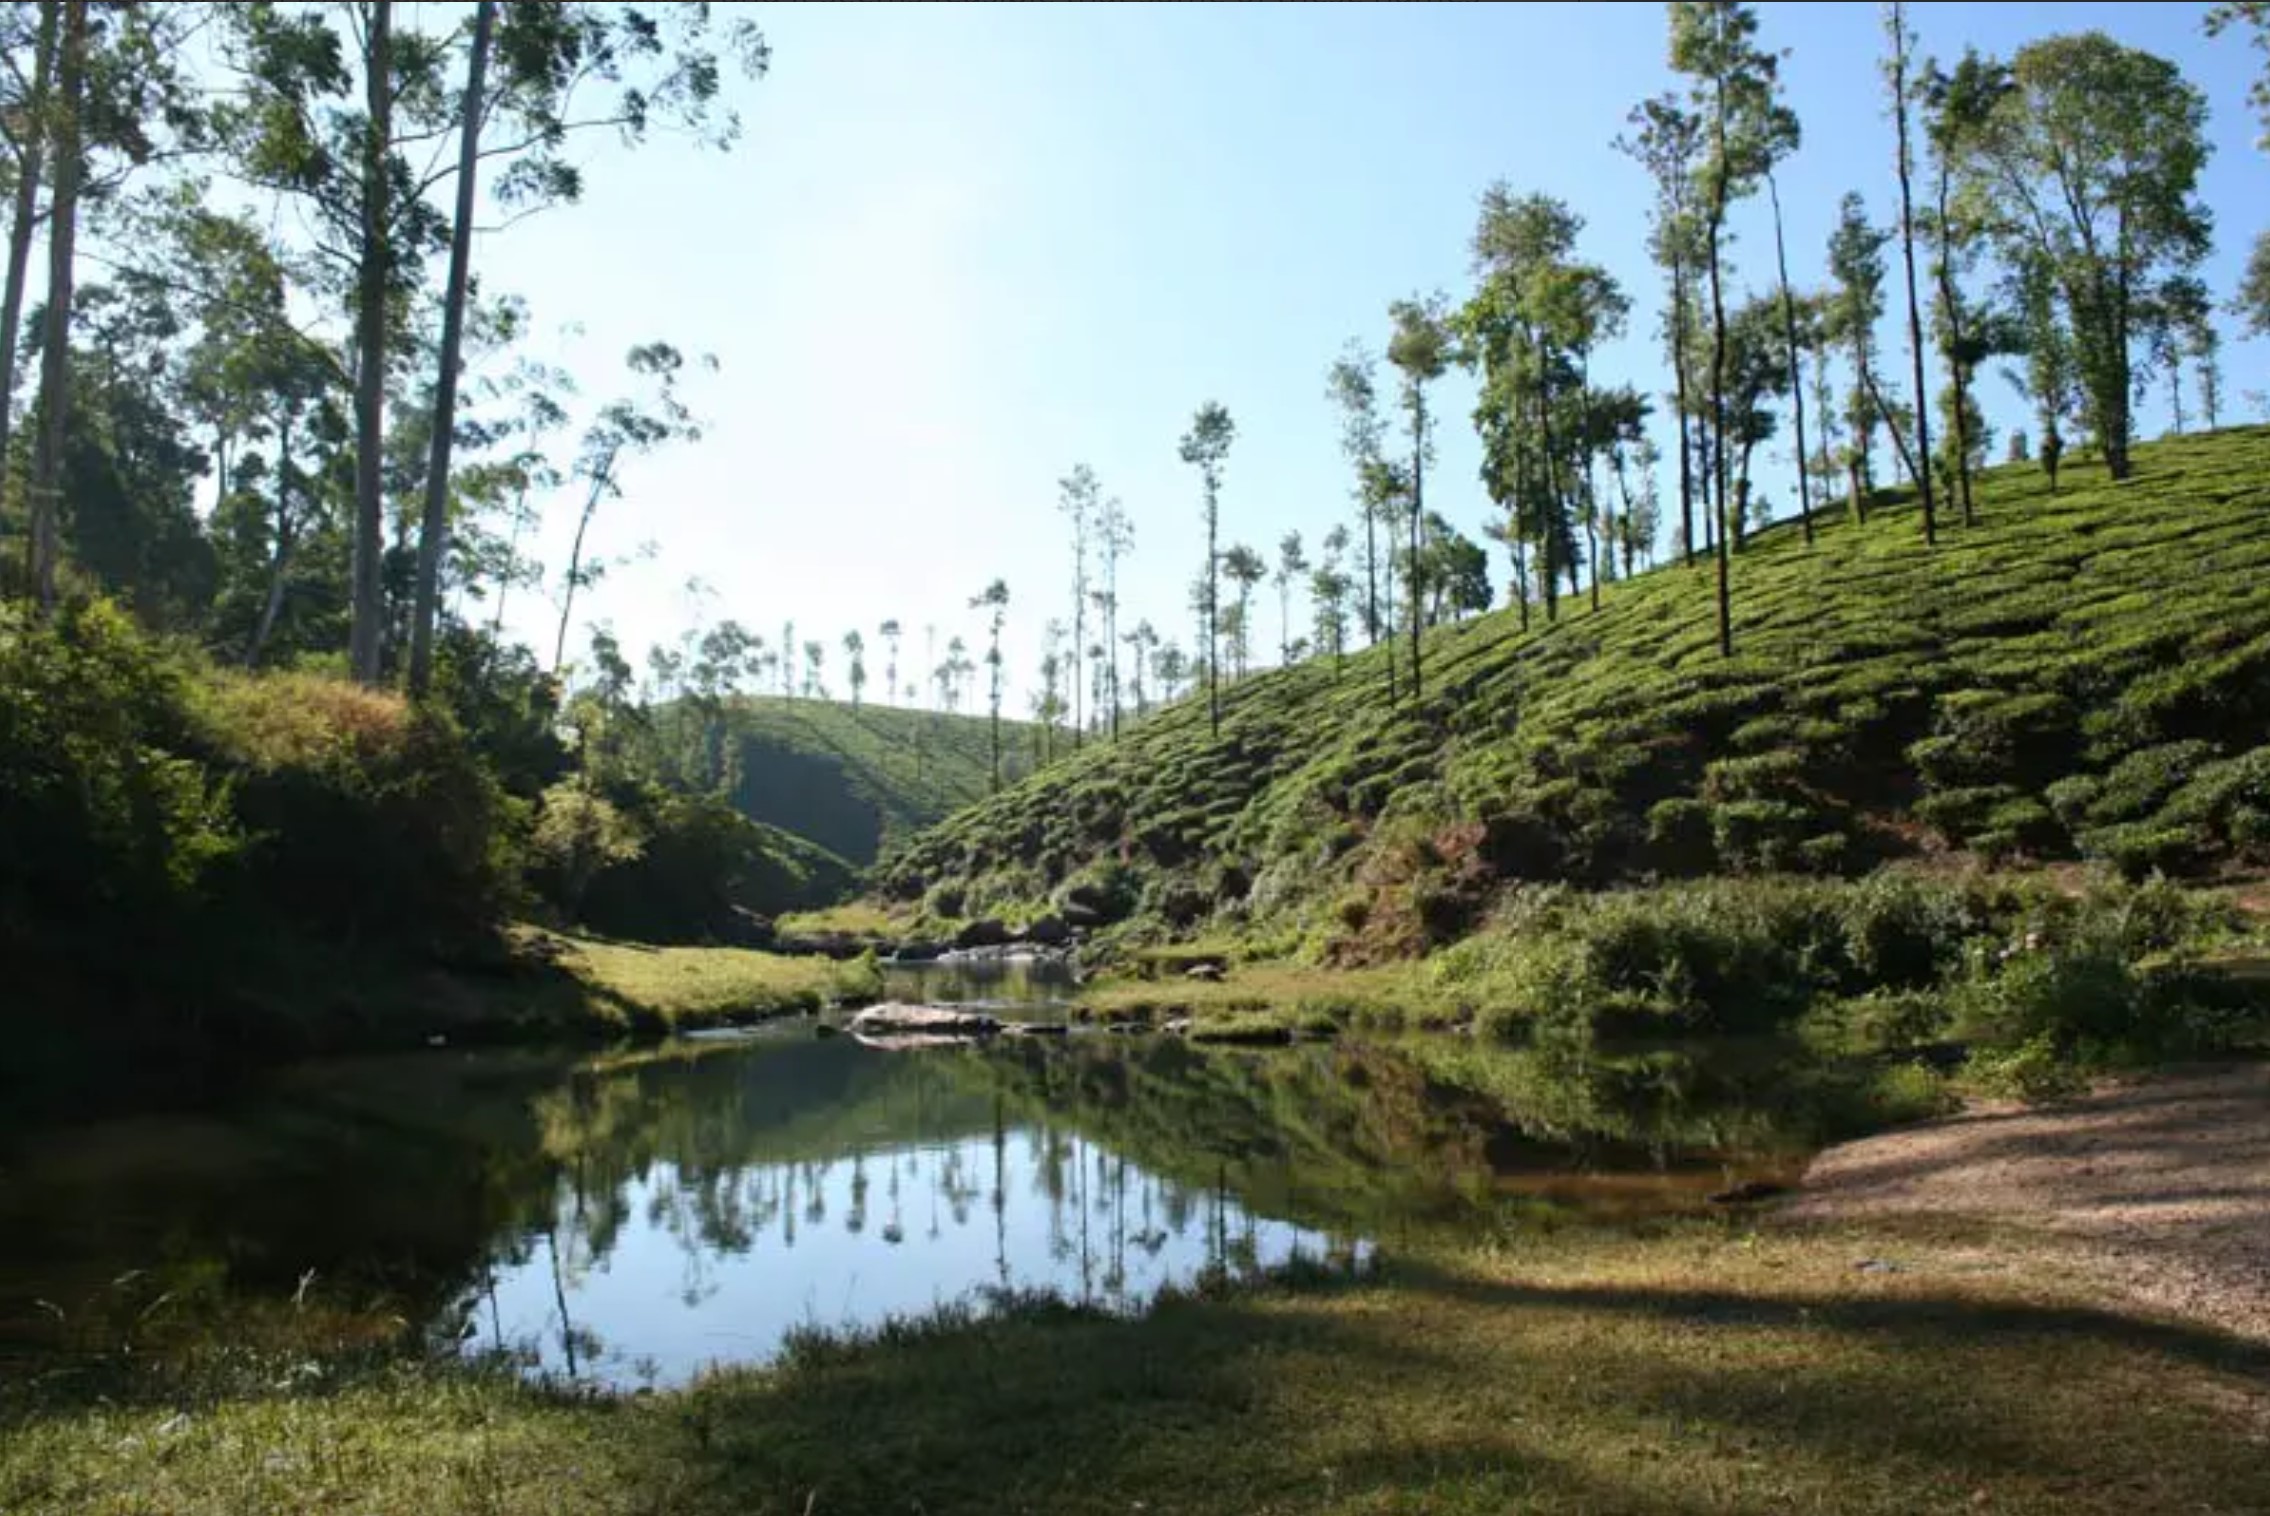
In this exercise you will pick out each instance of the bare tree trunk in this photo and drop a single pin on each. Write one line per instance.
(1796, 371)
(1679, 383)
(433, 532)
(366, 628)
(1718, 407)
(1898, 24)
(575, 573)
(280, 560)
(55, 356)
(27, 215)
(1956, 370)
(1418, 505)
(1213, 615)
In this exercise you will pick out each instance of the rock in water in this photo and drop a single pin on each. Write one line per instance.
(895, 1019)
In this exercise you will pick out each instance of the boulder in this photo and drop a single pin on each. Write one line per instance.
(1081, 916)
(892, 1018)
(1048, 931)
(918, 952)
(1209, 973)
(1036, 1029)
(986, 931)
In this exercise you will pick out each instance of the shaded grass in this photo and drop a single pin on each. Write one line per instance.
(1695, 1369)
(853, 918)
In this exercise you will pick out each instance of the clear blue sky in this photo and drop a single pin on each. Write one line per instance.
(962, 248)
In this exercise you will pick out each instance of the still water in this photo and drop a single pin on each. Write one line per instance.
(628, 1219)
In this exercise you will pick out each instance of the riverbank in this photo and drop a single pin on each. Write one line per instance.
(1686, 1369)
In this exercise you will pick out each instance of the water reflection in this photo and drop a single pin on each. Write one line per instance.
(628, 1218)
(994, 984)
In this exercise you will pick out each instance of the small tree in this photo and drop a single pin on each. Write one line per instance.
(1245, 569)
(1421, 349)
(1115, 538)
(855, 654)
(1076, 499)
(815, 657)
(1292, 563)
(994, 600)
(1328, 589)
(1206, 447)
(890, 634)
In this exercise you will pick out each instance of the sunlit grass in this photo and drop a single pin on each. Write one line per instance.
(638, 986)
(1699, 1369)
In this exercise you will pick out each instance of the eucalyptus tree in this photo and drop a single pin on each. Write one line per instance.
(1206, 447)
(1899, 85)
(625, 429)
(1667, 141)
(889, 631)
(2087, 168)
(55, 338)
(25, 125)
(1141, 642)
(2252, 302)
(1735, 89)
(666, 66)
(1048, 701)
(815, 663)
(855, 659)
(1077, 499)
(1956, 104)
(1856, 263)
(1171, 667)
(1292, 565)
(1115, 538)
(1245, 569)
(1792, 347)
(1328, 588)
(994, 601)
(1422, 350)
(1350, 386)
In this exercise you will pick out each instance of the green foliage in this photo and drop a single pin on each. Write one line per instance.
(1876, 709)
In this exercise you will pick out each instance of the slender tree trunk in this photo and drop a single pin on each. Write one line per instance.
(1679, 421)
(1213, 614)
(1796, 368)
(27, 215)
(433, 534)
(1718, 401)
(1521, 580)
(55, 357)
(280, 560)
(1418, 505)
(1907, 253)
(1957, 372)
(1547, 535)
(364, 637)
(1892, 427)
(575, 574)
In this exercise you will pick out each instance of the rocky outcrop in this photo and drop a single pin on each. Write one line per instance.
(894, 1019)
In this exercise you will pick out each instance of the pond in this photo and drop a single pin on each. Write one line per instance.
(626, 1219)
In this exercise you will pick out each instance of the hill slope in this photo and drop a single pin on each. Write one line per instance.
(2081, 673)
(858, 781)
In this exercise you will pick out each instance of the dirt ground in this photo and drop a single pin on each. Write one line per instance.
(2160, 1186)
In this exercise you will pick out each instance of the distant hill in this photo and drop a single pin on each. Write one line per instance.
(2084, 674)
(857, 781)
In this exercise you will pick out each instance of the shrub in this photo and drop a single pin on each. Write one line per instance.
(1680, 837)
(2139, 783)
(1761, 835)
(2142, 848)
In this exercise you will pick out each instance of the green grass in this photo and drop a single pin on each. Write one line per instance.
(1693, 1370)
(637, 987)
(853, 918)
(2079, 675)
(860, 781)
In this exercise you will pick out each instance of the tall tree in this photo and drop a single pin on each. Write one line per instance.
(1713, 42)
(623, 430)
(1328, 588)
(1115, 538)
(1898, 70)
(1206, 447)
(1077, 496)
(1667, 142)
(375, 273)
(435, 527)
(889, 631)
(2252, 301)
(1955, 105)
(1245, 569)
(55, 354)
(1856, 262)
(2088, 167)
(1789, 326)
(1141, 643)
(1421, 349)
(30, 129)
(855, 657)
(1350, 386)
(1292, 563)
(664, 67)
(815, 659)
(995, 602)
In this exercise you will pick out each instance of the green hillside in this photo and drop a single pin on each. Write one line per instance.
(2081, 674)
(859, 780)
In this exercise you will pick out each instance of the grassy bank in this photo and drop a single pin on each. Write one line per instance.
(635, 987)
(1695, 1369)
